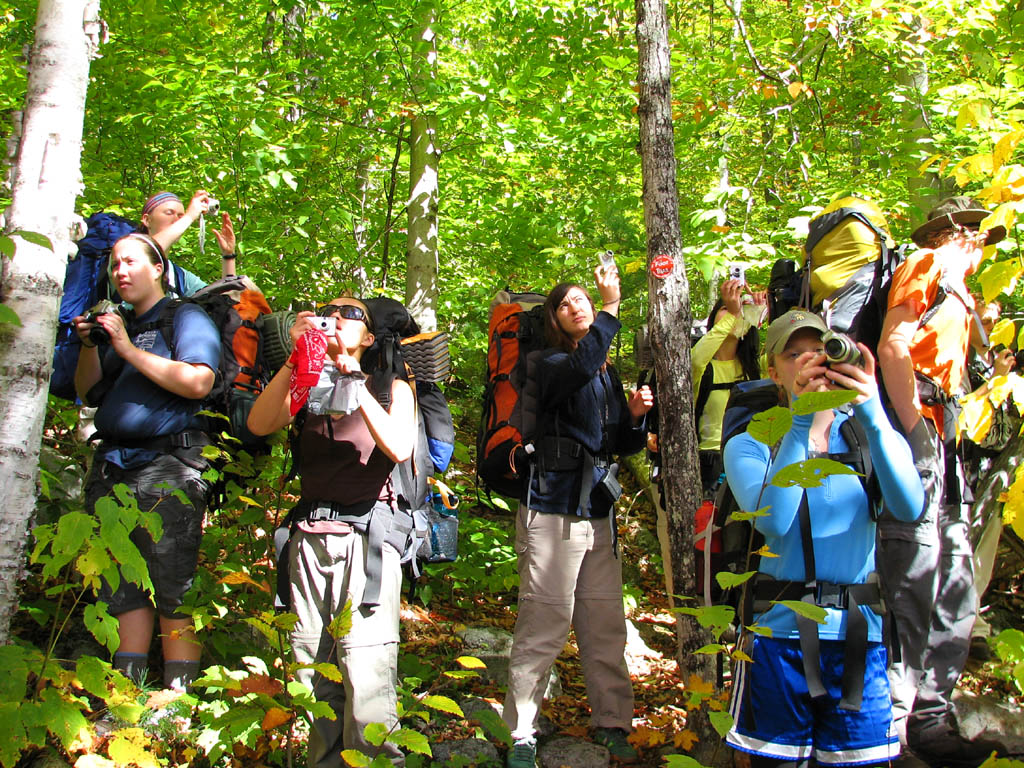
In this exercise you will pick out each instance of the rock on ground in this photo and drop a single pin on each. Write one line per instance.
(568, 752)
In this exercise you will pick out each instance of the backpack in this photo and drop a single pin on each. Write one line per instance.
(849, 260)
(86, 282)
(238, 308)
(732, 546)
(399, 348)
(515, 329)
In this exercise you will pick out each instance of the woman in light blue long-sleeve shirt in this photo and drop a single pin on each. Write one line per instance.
(789, 711)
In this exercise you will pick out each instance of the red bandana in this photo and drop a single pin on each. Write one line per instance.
(308, 362)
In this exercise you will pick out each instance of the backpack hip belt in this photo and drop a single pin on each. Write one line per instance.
(164, 444)
(848, 597)
(370, 518)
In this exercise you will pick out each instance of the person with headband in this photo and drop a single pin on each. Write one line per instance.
(817, 694)
(165, 218)
(148, 394)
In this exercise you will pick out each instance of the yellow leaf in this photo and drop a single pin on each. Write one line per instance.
(720, 229)
(239, 577)
(470, 662)
(795, 89)
(1007, 186)
(642, 736)
(634, 266)
(129, 747)
(250, 502)
(1002, 333)
(928, 163)
(1000, 277)
(697, 685)
(1004, 148)
(274, 718)
(1000, 388)
(741, 656)
(1004, 215)
(1013, 508)
(765, 552)
(974, 113)
(684, 740)
(975, 417)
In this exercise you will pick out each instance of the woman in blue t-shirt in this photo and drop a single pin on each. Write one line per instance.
(149, 392)
(789, 707)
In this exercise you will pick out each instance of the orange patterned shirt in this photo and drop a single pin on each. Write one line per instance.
(939, 348)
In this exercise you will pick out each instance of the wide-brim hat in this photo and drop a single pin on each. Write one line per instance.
(785, 326)
(953, 211)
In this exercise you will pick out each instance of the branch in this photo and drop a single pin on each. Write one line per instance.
(742, 29)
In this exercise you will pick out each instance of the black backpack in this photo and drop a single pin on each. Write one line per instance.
(737, 541)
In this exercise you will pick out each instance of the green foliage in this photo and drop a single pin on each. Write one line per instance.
(807, 610)
(812, 402)
(770, 426)
(1010, 647)
(809, 473)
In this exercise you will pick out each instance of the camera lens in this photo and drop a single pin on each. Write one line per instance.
(99, 335)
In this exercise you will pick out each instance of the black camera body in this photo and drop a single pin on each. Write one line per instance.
(840, 348)
(98, 334)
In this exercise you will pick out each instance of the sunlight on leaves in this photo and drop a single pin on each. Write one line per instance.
(812, 402)
(809, 473)
(807, 610)
(770, 426)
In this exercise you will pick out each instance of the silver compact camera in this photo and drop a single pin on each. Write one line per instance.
(840, 348)
(734, 271)
(328, 325)
(213, 206)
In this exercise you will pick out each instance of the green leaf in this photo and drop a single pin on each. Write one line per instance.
(442, 704)
(412, 740)
(1001, 277)
(721, 722)
(460, 674)
(7, 247)
(102, 625)
(14, 740)
(492, 723)
(330, 671)
(740, 516)
(9, 316)
(355, 758)
(728, 580)
(711, 649)
(92, 674)
(342, 623)
(375, 733)
(807, 610)
(35, 238)
(809, 473)
(812, 402)
(681, 761)
(770, 426)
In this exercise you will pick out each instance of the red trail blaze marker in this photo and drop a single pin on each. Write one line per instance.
(661, 266)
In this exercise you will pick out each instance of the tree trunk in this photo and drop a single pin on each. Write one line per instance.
(46, 180)
(421, 291)
(669, 322)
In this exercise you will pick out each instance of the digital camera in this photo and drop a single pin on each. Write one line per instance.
(98, 334)
(607, 258)
(840, 348)
(213, 206)
(328, 325)
(735, 271)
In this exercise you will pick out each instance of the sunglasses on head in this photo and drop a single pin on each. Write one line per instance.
(347, 311)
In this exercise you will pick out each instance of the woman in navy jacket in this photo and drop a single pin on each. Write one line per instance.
(569, 570)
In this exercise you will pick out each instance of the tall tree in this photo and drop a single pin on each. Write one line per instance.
(669, 321)
(421, 289)
(45, 180)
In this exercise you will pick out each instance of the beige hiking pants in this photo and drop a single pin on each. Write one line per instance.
(568, 576)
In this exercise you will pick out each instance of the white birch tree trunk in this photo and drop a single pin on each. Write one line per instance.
(421, 290)
(46, 179)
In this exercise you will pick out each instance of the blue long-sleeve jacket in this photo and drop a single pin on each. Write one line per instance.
(577, 400)
(842, 529)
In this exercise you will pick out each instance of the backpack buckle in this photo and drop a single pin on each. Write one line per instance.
(828, 595)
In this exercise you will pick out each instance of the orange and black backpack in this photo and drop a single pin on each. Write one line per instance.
(239, 309)
(516, 328)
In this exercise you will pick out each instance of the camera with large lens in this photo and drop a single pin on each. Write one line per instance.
(840, 348)
(98, 334)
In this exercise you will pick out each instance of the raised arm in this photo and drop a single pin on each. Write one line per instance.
(197, 206)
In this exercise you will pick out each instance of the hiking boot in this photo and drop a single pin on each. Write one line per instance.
(523, 754)
(615, 741)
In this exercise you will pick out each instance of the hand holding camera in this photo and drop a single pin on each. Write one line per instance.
(96, 326)
(856, 371)
(608, 286)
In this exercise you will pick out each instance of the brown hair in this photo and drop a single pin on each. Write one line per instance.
(153, 251)
(553, 332)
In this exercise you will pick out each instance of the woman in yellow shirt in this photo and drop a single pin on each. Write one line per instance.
(726, 354)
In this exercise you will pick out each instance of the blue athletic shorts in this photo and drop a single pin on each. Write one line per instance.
(775, 717)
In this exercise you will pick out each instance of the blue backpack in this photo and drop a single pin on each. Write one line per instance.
(85, 283)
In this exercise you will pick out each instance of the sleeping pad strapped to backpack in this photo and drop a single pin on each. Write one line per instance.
(515, 329)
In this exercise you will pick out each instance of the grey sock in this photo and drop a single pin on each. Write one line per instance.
(133, 665)
(179, 674)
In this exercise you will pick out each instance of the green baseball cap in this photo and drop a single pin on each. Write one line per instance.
(783, 327)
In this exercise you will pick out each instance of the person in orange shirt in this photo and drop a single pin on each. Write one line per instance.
(925, 565)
